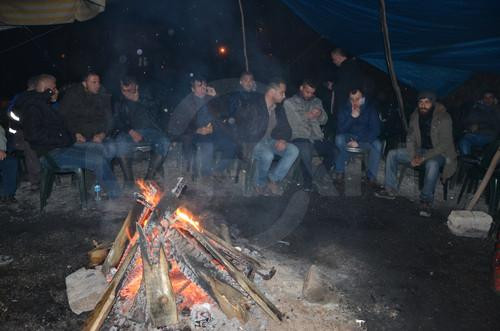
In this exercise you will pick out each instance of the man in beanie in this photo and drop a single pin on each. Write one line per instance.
(429, 144)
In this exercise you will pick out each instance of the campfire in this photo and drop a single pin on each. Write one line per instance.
(164, 264)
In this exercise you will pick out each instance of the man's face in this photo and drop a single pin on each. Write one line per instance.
(130, 92)
(279, 93)
(92, 84)
(424, 105)
(307, 92)
(337, 59)
(356, 99)
(48, 84)
(488, 99)
(199, 89)
(247, 83)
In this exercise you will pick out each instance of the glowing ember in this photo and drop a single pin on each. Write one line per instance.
(183, 215)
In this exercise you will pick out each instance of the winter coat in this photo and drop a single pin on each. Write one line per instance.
(3, 140)
(366, 127)
(86, 113)
(184, 117)
(296, 109)
(441, 137)
(128, 115)
(487, 118)
(44, 127)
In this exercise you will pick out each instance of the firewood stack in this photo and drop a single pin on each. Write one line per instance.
(161, 265)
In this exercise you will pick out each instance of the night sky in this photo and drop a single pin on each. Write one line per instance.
(176, 38)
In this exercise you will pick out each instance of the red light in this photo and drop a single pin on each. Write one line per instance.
(222, 50)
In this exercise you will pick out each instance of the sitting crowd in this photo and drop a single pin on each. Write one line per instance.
(85, 130)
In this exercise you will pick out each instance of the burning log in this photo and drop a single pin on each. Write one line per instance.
(101, 311)
(160, 298)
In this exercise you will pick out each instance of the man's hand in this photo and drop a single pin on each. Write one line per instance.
(136, 136)
(417, 161)
(3, 155)
(280, 145)
(211, 91)
(99, 137)
(355, 112)
(313, 113)
(329, 85)
(204, 130)
(80, 138)
(353, 143)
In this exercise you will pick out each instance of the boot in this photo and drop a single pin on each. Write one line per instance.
(155, 163)
(128, 173)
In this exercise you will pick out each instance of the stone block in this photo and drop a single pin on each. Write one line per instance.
(84, 288)
(473, 224)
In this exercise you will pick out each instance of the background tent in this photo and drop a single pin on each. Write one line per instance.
(435, 44)
(46, 12)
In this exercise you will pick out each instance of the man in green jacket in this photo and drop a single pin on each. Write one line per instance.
(429, 143)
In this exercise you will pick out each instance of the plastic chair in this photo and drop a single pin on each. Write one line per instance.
(49, 169)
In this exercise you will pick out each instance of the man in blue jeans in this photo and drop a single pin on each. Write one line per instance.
(275, 133)
(358, 126)
(482, 124)
(45, 130)
(8, 171)
(429, 143)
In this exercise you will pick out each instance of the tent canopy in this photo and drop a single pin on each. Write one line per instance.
(435, 44)
(47, 12)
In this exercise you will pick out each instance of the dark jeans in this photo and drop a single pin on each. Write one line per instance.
(8, 174)
(91, 159)
(324, 148)
(470, 140)
(208, 145)
(374, 155)
(157, 139)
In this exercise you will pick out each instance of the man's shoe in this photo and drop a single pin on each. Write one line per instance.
(275, 188)
(425, 209)
(5, 260)
(385, 194)
(262, 191)
(339, 178)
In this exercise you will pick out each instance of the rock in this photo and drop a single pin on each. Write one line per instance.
(473, 224)
(317, 287)
(84, 288)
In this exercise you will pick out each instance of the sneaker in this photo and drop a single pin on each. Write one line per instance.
(373, 185)
(425, 209)
(5, 260)
(275, 188)
(385, 194)
(339, 177)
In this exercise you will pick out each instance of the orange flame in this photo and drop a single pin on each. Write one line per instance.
(184, 215)
(150, 190)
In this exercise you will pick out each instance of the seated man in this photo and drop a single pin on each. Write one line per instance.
(47, 134)
(273, 132)
(358, 126)
(429, 143)
(482, 124)
(8, 171)
(136, 120)
(305, 114)
(87, 111)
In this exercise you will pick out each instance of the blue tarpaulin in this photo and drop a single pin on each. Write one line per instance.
(435, 44)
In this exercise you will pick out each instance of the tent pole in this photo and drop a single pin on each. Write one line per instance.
(243, 33)
(390, 65)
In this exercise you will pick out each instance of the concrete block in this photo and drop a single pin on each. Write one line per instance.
(84, 288)
(473, 224)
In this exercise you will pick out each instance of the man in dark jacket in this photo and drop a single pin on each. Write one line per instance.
(45, 130)
(358, 126)
(482, 124)
(8, 171)
(272, 130)
(87, 111)
(136, 119)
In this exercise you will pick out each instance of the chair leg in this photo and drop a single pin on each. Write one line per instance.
(445, 189)
(494, 196)
(249, 176)
(46, 183)
(80, 174)
(402, 176)
(462, 190)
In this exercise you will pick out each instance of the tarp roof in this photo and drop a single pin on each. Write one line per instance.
(435, 44)
(47, 12)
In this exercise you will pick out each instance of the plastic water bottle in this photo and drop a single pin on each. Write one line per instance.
(97, 191)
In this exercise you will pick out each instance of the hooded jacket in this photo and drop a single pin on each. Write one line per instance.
(43, 126)
(296, 109)
(441, 137)
(86, 113)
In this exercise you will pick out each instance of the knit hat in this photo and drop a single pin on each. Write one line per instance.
(427, 95)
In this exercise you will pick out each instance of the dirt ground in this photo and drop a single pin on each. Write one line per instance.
(389, 268)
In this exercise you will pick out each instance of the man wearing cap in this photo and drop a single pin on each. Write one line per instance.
(429, 143)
